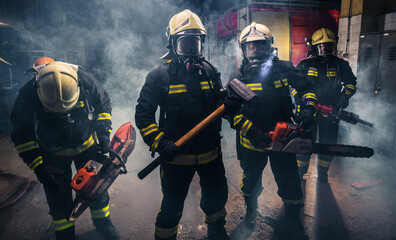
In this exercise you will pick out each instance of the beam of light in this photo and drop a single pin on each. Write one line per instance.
(266, 67)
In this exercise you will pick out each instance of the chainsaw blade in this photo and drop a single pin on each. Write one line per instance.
(342, 150)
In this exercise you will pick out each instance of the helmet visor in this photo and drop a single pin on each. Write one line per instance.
(256, 49)
(189, 46)
(324, 49)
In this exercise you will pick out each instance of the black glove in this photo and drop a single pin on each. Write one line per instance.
(343, 102)
(232, 102)
(306, 118)
(104, 143)
(167, 147)
(47, 178)
(258, 137)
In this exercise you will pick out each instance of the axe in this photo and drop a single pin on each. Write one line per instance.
(237, 87)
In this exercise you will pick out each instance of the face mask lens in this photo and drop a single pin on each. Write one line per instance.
(189, 46)
(256, 49)
(325, 49)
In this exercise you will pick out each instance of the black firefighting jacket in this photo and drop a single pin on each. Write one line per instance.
(273, 103)
(185, 99)
(332, 77)
(35, 129)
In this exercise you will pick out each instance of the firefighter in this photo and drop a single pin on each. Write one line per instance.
(270, 79)
(335, 84)
(187, 88)
(60, 116)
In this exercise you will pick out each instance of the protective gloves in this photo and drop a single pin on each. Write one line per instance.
(46, 178)
(306, 118)
(343, 102)
(232, 102)
(258, 137)
(104, 143)
(167, 147)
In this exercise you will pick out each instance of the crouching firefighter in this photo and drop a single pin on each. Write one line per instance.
(60, 116)
(187, 88)
(334, 84)
(269, 78)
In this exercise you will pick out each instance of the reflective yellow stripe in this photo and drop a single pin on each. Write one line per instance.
(325, 164)
(177, 88)
(79, 104)
(154, 146)
(26, 147)
(312, 73)
(166, 232)
(292, 202)
(205, 85)
(350, 86)
(255, 86)
(147, 130)
(245, 127)
(310, 103)
(294, 92)
(242, 184)
(278, 84)
(302, 163)
(103, 116)
(192, 159)
(62, 224)
(285, 83)
(246, 143)
(309, 96)
(60, 151)
(237, 119)
(331, 74)
(36, 162)
(100, 213)
(213, 218)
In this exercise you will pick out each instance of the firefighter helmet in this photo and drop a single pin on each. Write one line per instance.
(185, 34)
(42, 61)
(256, 42)
(323, 42)
(58, 87)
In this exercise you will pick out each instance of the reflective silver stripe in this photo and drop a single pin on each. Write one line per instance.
(100, 213)
(62, 224)
(215, 216)
(192, 159)
(36, 162)
(246, 143)
(60, 151)
(177, 88)
(278, 84)
(166, 232)
(325, 164)
(154, 145)
(245, 127)
(237, 119)
(205, 85)
(151, 128)
(26, 147)
(255, 86)
(104, 116)
(302, 163)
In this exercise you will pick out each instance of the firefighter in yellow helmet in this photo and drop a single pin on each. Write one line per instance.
(269, 78)
(334, 84)
(187, 89)
(60, 116)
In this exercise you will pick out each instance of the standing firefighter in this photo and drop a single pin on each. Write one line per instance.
(269, 78)
(187, 89)
(59, 116)
(334, 84)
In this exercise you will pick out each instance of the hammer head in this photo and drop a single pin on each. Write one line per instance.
(241, 90)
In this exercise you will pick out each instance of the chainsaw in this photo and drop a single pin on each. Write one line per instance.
(93, 180)
(285, 138)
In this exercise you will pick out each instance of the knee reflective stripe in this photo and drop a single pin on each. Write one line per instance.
(147, 130)
(59, 151)
(154, 145)
(100, 213)
(103, 116)
(62, 224)
(26, 147)
(213, 218)
(302, 163)
(36, 162)
(325, 164)
(246, 143)
(191, 159)
(166, 232)
(291, 202)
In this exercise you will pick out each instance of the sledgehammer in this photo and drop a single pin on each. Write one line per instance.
(237, 87)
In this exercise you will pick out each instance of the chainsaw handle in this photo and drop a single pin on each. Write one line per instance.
(123, 167)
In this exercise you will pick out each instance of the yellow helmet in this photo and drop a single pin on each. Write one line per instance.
(323, 35)
(256, 41)
(58, 87)
(255, 32)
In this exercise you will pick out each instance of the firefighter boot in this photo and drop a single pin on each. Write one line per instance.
(105, 227)
(322, 174)
(293, 221)
(216, 230)
(66, 234)
(251, 212)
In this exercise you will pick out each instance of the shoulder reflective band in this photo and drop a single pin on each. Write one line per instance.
(26, 147)
(104, 116)
(255, 86)
(100, 213)
(177, 89)
(205, 85)
(147, 130)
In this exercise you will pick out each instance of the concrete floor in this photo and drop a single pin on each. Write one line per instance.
(332, 211)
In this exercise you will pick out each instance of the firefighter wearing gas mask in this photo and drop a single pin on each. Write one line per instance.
(187, 89)
(269, 78)
(334, 84)
(60, 116)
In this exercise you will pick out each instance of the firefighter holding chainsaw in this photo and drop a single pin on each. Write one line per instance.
(60, 116)
(187, 89)
(269, 78)
(335, 84)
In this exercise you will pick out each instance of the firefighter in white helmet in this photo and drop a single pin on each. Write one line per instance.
(60, 116)
(269, 78)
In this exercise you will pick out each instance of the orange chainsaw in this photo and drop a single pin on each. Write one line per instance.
(285, 138)
(95, 177)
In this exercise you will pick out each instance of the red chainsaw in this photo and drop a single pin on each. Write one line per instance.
(96, 177)
(285, 138)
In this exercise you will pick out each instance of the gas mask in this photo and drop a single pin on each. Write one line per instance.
(189, 49)
(256, 52)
